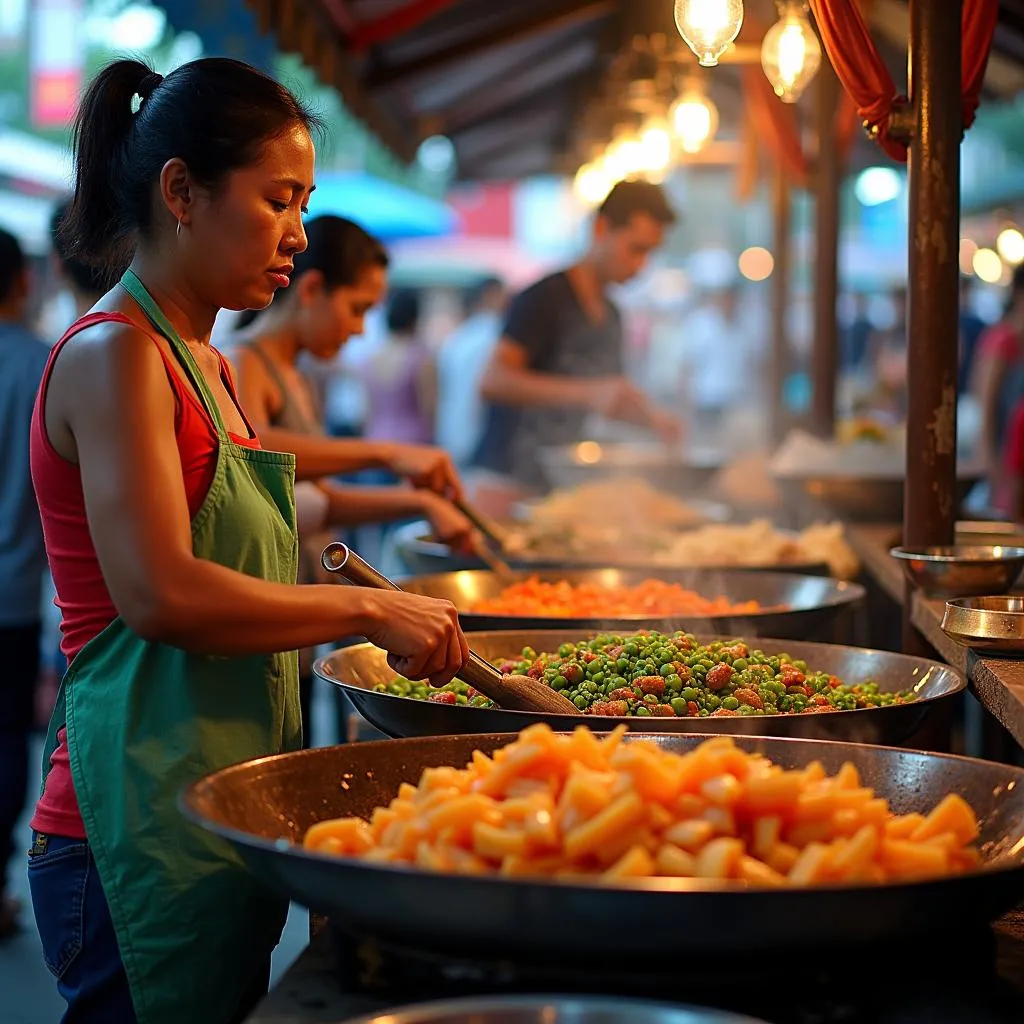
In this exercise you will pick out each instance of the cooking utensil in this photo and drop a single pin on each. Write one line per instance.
(994, 625)
(490, 528)
(961, 570)
(356, 670)
(264, 807)
(516, 693)
(803, 607)
(551, 1010)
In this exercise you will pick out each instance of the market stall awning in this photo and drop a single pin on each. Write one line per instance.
(511, 84)
(385, 209)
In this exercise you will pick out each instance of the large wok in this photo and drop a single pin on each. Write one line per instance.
(356, 670)
(684, 472)
(262, 808)
(422, 555)
(802, 607)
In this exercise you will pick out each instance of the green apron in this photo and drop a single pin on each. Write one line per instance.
(143, 719)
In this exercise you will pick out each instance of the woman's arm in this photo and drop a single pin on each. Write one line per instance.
(111, 392)
(353, 506)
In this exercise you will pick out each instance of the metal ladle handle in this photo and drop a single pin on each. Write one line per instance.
(341, 559)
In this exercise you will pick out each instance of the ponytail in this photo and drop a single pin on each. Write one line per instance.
(214, 114)
(98, 223)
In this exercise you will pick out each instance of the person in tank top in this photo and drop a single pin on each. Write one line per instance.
(336, 280)
(170, 531)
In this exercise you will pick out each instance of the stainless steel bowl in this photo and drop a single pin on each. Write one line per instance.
(961, 570)
(551, 1010)
(991, 624)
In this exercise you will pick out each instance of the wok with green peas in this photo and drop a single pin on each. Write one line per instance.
(673, 676)
(665, 682)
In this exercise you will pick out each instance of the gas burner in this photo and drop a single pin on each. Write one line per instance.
(909, 983)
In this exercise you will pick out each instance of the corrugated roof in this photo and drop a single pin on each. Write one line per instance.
(514, 84)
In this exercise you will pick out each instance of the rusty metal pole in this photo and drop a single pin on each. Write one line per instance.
(778, 367)
(825, 351)
(929, 501)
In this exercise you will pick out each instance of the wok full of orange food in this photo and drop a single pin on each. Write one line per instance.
(578, 805)
(534, 597)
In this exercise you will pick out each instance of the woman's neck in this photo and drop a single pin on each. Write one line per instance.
(191, 316)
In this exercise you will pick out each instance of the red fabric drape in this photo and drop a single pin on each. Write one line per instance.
(398, 21)
(867, 80)
(776, 123)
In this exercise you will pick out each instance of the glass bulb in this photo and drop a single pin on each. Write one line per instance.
(655, 146)
(694, 121)
(623, 158)
(592, 184)
(790, 53)
(709, 26)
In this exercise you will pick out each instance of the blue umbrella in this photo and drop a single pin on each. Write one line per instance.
(385, 209)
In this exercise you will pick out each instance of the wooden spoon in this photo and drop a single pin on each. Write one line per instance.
(514, 693)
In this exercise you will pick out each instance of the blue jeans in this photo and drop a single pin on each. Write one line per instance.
(19, 654)
(78, 937)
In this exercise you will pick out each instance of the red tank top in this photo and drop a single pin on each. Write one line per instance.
(82, 594)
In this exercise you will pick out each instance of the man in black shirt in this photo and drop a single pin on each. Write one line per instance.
(560, 357)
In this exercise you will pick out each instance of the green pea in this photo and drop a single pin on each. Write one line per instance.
(730, 703)
(679, 706)
(580, 702)
(674, 683)
(740, 664)
(690, 693)
(559, 683)
(642, 712)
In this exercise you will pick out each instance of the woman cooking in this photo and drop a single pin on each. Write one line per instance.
(171, 539)
(336, 281)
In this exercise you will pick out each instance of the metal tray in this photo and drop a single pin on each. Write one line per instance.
(358, 668)
(551, 1010)
(802, 607)
(262, 809)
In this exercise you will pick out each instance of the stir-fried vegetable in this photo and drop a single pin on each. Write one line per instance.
(672, 677)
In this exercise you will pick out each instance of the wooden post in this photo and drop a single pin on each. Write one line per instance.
(929, 501)
(778, 367)
(825, 351)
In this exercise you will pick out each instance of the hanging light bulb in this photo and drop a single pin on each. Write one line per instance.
(709, 26)
(694, 120)
(655, 148)
(592, 184)
(624, 156)
(790, 52)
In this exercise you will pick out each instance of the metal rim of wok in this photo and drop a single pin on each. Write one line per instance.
(415, 547)
(792, 605)
(262, 808)
(355, 669)
(552, 1009)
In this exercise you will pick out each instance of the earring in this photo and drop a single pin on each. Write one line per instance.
(178, 232)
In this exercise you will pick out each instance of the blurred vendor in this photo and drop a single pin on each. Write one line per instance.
(560, 357)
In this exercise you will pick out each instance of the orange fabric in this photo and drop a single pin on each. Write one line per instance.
(866, 79)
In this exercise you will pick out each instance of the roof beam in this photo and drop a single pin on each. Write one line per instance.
(540, 73)
(557, 15)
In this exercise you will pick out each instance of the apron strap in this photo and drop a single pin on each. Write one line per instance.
(137, 290)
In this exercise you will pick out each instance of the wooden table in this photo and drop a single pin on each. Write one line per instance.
(998, 683)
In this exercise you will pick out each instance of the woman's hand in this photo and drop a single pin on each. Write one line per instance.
(425, 467)
(450, 526)
(422, 635)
